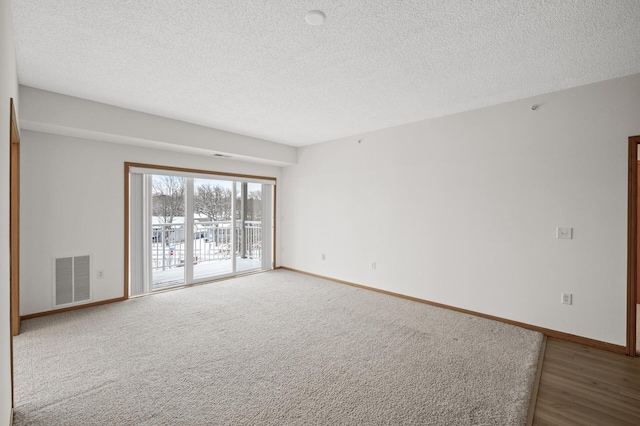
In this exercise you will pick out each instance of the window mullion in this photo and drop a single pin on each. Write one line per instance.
(233, 227)
(188, 231)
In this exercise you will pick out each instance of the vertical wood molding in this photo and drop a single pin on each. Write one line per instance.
(274, 255)
(14, 238)
(637, 232)
(632, 244)
(14, 231)
(125, 291)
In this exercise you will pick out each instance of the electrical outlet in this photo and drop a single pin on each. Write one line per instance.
(324, 257)
(566, 298)
(373, 265)
(100, 274)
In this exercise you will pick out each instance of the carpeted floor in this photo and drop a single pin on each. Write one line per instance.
(277, 348)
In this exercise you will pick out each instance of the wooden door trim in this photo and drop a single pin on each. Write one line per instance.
(637, 251)
(127, 169)
(632, 244)
(14, 234)
(14, 230)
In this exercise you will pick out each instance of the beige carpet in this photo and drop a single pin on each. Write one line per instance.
(277, 348)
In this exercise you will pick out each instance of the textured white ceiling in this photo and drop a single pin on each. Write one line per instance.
(257, 68)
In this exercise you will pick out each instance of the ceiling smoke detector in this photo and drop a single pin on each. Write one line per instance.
(315, 17)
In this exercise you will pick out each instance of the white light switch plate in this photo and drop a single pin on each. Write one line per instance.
(564, 233)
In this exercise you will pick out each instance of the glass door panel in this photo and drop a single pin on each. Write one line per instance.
(248, 226)
(212, 230)
(193, 227)
(167, 231)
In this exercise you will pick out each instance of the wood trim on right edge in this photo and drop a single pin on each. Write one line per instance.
(275, 225)
(585, 341)
(14, 239)
(632, 245)
(125, 278)
(14, 228)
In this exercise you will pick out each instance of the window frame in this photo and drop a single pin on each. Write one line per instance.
(134, 167)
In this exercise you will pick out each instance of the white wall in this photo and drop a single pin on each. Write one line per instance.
(463, 209)
(8, 89)
(54, 113)
(72, 203)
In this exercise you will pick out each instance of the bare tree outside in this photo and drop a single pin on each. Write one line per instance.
(213, 201)
(219, 234)
(168, 197)
(254, 205)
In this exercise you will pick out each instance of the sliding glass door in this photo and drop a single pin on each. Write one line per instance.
(213, 231)
(167, 245)
(187, 227)
(249, 217)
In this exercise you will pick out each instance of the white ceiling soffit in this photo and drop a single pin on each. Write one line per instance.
(258, 68)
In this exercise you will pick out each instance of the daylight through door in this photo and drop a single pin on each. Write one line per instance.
(188, 227)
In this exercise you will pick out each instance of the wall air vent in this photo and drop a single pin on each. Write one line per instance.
(72, 280)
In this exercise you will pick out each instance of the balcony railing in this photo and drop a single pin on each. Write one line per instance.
(211, 241)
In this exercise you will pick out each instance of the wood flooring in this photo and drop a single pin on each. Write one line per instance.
(586, 386)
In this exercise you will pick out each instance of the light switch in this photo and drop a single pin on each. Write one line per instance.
(564, 233)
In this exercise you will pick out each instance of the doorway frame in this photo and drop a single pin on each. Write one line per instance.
(14, 228)
(14, 234)
(632, 245)
(127, 226)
